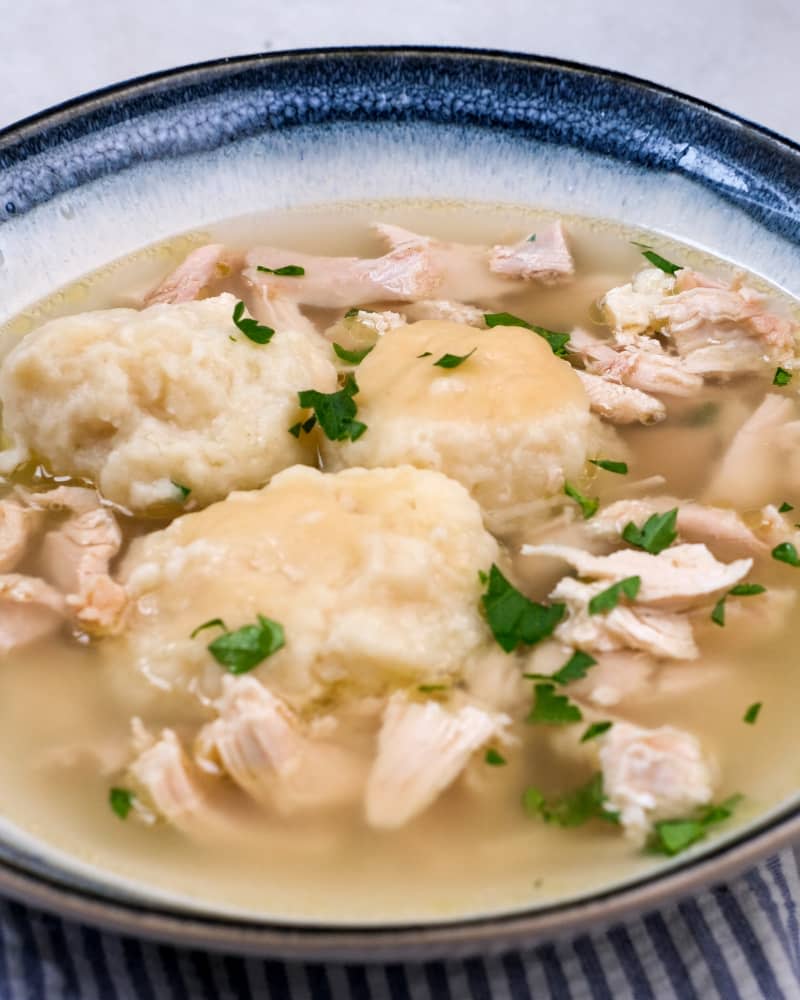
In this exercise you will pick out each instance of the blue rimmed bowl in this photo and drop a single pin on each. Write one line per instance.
(98, 178)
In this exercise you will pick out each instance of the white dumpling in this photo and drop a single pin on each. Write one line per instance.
(373, 575)
(138, 401)
(510, 423)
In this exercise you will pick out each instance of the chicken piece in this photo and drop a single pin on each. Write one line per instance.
(422, 748)
(75, 557)
(653, 774)
(616, 677)
(677, 579)
(406, 273)
(18, 524)
(643, 365)
(30, 609)
(640, 628)
(620, 404)
(76, 499)
(750, 473)
(260, 743)
(544, 257)
(273, 309)
(188, 281)
(631, 308)
(452, 312)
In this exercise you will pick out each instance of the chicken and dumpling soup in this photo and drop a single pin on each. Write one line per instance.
(399, 569)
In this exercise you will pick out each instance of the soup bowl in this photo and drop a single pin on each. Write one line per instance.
(96, 179)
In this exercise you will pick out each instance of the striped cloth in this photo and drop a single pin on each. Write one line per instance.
(737, 941)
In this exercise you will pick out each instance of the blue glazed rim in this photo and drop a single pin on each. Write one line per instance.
(769, 162)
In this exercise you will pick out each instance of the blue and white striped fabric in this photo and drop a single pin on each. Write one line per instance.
(738, 942)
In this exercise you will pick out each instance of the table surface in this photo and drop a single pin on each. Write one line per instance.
(738, 54)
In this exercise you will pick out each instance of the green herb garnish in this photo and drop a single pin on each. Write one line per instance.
(514, 618)
(573, 809)
(245, 648)
(351, 357)
(747, 589)
(211, 623)
(251, 328)
(453, 360)
(302, 425)
(425, 354)
(784, 507)
(588, 505)
(531, 238)
(671, 836)
(596, 729)
(494, 758)
(609, 598)
(781, 376)
(786, 553)
(718, 614)
(121, 801)
(657, 260)
(183, 490)
(751, 715)
(656, 534)
(432, 688)
(335, 411)
(621, 468)
(573, 670)
(287, 271)
(551, 708)
(557, 341)
(352, 312)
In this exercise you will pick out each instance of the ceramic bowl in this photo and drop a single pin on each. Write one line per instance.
(97, 178)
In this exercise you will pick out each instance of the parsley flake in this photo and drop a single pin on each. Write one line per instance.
(551, 708)
(335, 411)
(287, 271)
(656, 534)
(425, 354)
(786, 553)
(588, 505)
(453, 360)
(609, 598)
(573, 670)
(432, 688)
(183, 490)
(352, 312)
(671, 836)
(351, 357)
(211, 623)
(573, 809)
(251, 328)
(747, 589)
(781, 376)
(751, 715)
(784, 507)
(656, 259)
(718, 614)
(531, 238)
(303, 425)
(494, 758)
(621, 468)
(557, 341)
(248, 646)
(596, 729)
(121, 801)
(514, 618)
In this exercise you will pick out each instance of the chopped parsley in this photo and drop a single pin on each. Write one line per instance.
(211, 623)
(609, 598)
(573, 809)
(740, 590)
(751, 715)
(785, 507)
(514, 618)
(494, 758)
(351, 357)
(287, 271)
(453, 360)
(588, 505)
(557, 341)
(656, 259)
(425, 354)
(432, 688)
(671, 836)
(531, 238)
(596, 729)
(573, 670)
(251, 328)
(245, 648)
(183, 490)
(718, 614)
(656, 534)
(305, 426)
(551, 708)
(786, 553)
(335, 411)
(352, 312)
(121, 801)
(781, 376)
(621, 468)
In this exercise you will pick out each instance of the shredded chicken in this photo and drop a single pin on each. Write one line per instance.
(276, 310)
(630, 309)
(650, 630)
(261, 744)
(620, 404)
(76, 499)
(677, 579)
(422, 748)
(30, 609)
(188, 281)
(543, 256)
(18, 525)
(653, 774)
(452, 312)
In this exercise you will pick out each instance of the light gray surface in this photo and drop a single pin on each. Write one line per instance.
(740, 54)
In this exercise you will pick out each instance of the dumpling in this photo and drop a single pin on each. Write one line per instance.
(141, 401)
(373, 575)
(510, 423)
